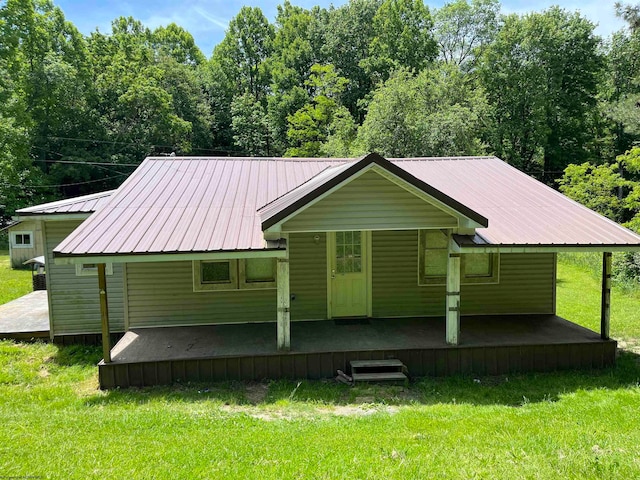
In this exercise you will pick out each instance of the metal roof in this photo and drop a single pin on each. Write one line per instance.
(84, 204)
(200, 204)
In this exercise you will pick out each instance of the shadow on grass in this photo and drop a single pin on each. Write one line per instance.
(509, 390)
(82, 355)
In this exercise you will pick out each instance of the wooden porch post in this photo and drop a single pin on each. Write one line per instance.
(453, 297)
(104, 313)
(284, 316)
(605, 307)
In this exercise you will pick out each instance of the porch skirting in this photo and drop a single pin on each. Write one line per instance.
(425, 362)
(490, 346)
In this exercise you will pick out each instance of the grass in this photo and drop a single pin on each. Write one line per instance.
(578, 298)
(13, 283)
(56, 424)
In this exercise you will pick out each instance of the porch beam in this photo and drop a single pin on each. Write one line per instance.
(284, 299)
(605, 307)
(104, 313)
(453, 297)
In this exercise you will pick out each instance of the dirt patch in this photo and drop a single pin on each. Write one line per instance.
(256, 392)
(630, 345)
(288, 414)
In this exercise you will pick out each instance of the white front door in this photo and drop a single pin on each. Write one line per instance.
(348, 274)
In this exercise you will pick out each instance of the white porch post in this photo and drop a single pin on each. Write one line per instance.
(605, 307)
(284, 316)
(453, 296)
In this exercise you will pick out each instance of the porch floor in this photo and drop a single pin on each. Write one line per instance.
(259, 339)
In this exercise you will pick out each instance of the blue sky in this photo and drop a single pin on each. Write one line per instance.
(207, 20)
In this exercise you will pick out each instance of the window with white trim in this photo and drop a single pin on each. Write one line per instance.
(22, 239)
(243, 274)
(91, 269)
(434, 255)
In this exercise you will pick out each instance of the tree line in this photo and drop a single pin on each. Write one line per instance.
(541, 91)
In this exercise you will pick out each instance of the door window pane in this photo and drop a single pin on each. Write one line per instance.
(348, 252)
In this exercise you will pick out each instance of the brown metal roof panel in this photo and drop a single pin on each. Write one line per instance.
(82, 204)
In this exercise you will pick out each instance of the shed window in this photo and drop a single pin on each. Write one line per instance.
(22, 239)
(433, 259)
(91, 269)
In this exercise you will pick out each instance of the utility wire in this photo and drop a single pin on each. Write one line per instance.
(67, 184)
(93, 140)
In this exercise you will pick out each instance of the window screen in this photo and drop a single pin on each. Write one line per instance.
(215, 272)
(259, 270)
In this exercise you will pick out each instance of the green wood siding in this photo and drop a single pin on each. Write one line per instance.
(74, 300)
(308, 276)
(161, 294)
(527, 282)
(370, 202)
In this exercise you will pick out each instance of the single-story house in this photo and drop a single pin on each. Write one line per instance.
(249, 268)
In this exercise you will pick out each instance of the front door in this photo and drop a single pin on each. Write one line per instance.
(348, 274)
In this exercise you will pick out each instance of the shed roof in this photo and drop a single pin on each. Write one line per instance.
(202, 204)
(84, 204)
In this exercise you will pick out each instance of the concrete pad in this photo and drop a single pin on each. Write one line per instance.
(27, 315)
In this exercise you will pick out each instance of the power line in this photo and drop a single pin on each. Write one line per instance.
(114, 142)
(106, 164)
(67, 184)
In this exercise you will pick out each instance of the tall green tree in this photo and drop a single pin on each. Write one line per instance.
(310, 126)
(250, 125)
(349, 34)
(541, 75)
(464, 29)
(402, 38)
(437, 112)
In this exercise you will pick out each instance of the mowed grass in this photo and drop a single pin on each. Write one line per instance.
(13, 283)
(56, 424)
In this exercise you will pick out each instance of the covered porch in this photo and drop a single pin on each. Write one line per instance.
(489, 345)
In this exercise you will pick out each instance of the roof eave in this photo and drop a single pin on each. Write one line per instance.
(61, 258)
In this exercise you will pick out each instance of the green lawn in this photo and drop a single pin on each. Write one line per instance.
(56, 424)
(13, 283)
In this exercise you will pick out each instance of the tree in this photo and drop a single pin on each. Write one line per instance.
(541, 75)
(243, 52)
(347, 40)
(437, 112)
(309, 126)
(290, 66)
(606, 190)
(402, 38)
(463, 30)
(250, 126)
(175, 42)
